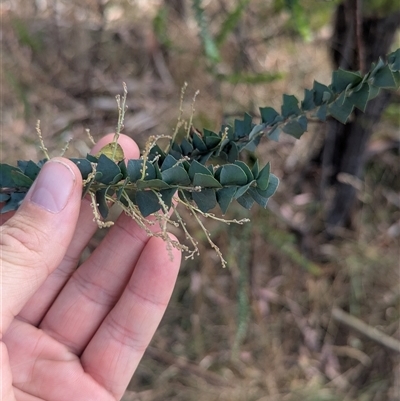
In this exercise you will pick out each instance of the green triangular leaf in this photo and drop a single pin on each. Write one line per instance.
(308, 102)
(246, 170)
(205, 199)
(6, 179)
(290, 106)
(176, 175)
(147, 202)
(242, 190)
(246, 201)
(14, 202)
(167, 195)
(225, 197)
(21, 180)
(101, 202)
(268, 115)
(341, 79)
(261, 200)
(263, 178)
(84, 166)
(232, 175)
(153, 184)
(384, 78)
(274, 134)
(107, 171)
(360, 98)
(169, 162)
(196, 167)
(205, 181)
(297, 127)
(341, 109)
(134, 168)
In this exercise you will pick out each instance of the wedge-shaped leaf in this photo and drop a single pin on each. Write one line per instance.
(384, 78)
(246, 169)
(169, 162)
(20, 179)
(394, 60)
(246, 201)
(321, 113)
(251, 146)
(212, 141)
(167, 195)
(196, 167)
(185, 196)
(84, 166)
(243, 127)
(242, 190)
(360, 98)
(322, 93)
(176, 175)
(198, 143)
(6, 179)
(268, 115)
(124, 170)
(255, 169)
(152, 184)
(233, 152)
(205, 181)
(341, 109)
(187, 147)
(107, 171)
(135, 168)
(296, 127)
(308, 101)
(91, 158)
(176, 147)
(274, 134)
(263, 178)
(205, 199)
(158, 152)
(257, 129)
(29, 168)
(261, 200)
(225, 197)
(272, 187)
(341, 79)
(232, 175)
(147, 202)
(102, 202)
(290, 106)
(14, 202)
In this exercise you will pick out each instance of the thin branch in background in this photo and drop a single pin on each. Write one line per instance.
(368, 331)
(359, 35)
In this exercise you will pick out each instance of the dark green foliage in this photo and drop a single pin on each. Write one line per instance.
(187, 167)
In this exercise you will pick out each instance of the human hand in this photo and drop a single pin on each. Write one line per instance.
(76, 334)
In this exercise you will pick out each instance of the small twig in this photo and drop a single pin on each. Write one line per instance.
(368, 331)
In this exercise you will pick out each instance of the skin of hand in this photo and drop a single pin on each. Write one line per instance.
(68, 333)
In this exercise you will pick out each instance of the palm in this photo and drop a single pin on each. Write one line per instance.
(82, 334)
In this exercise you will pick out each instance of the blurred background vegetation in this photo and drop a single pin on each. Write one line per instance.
(295, 314)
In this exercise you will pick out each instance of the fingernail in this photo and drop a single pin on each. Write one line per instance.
(53, 186)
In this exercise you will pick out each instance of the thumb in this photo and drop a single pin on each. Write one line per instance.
(34, 241)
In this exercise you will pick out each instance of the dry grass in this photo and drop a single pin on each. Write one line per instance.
(262, 329)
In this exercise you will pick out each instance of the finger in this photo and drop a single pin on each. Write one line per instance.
(34, 241)
(39, 304)
(117, 347)
(96, 286)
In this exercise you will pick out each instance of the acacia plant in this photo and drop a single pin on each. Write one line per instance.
(200, 171)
